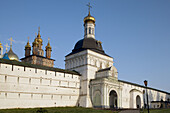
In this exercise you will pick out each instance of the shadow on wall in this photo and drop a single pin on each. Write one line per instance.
(158, 97)
(150, 96)
(167, 97)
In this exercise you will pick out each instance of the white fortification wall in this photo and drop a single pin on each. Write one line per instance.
(23, 87)
(130, 91)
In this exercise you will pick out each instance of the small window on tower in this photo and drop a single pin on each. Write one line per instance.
(89, 30)
(86, 31)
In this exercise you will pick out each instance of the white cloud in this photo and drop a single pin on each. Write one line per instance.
(19, 42)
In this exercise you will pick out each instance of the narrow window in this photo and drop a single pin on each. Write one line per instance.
(86, 31)
(40, 80)
(89, 30)
(5, 78)
(30, 80)
(35, 70)
(18, 80)
(50, 81)
(12, 67)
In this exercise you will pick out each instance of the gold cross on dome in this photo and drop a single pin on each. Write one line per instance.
(28, 38)
(48, 39)
(38, 30)
(11, 41)
(6, 47)
(89, 6)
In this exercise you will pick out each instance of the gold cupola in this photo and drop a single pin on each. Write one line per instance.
(35, 43)
(89, 18)
(27, 48)
(39, 40)
(11, 54)
(48, 45)
(28, 44)
(48, 50)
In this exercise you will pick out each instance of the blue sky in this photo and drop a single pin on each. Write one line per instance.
(136, 33)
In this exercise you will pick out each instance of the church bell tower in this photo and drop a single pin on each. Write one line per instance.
(89, 26)
(87, 58)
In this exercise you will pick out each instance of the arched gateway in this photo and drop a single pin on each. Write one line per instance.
(113, 99)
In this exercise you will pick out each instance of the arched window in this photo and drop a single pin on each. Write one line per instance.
(89, 30)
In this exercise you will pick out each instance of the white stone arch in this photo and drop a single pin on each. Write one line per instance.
(97, 98)
(108, 96)
(133, 94)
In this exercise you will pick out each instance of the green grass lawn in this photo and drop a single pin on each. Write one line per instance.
(157, 111)
(56, 110)
(71, 110)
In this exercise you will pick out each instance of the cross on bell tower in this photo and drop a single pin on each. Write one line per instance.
(89, 25)
(6, 47)
(11, 40)
(89, 6)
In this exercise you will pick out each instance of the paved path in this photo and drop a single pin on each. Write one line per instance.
(130, 111)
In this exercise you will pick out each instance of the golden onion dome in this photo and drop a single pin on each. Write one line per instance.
(12, 55)
(35, 42)
(89, 18)
(28, 45)
(48, 46)
(1, 45)
(39, 40)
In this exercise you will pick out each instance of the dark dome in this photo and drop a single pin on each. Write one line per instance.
(88, 43)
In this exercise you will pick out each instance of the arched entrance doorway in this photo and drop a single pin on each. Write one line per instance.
(113, 99)
(138, 102)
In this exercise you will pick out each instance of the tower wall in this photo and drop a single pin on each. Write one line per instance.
(88, 65)
(89, 30)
